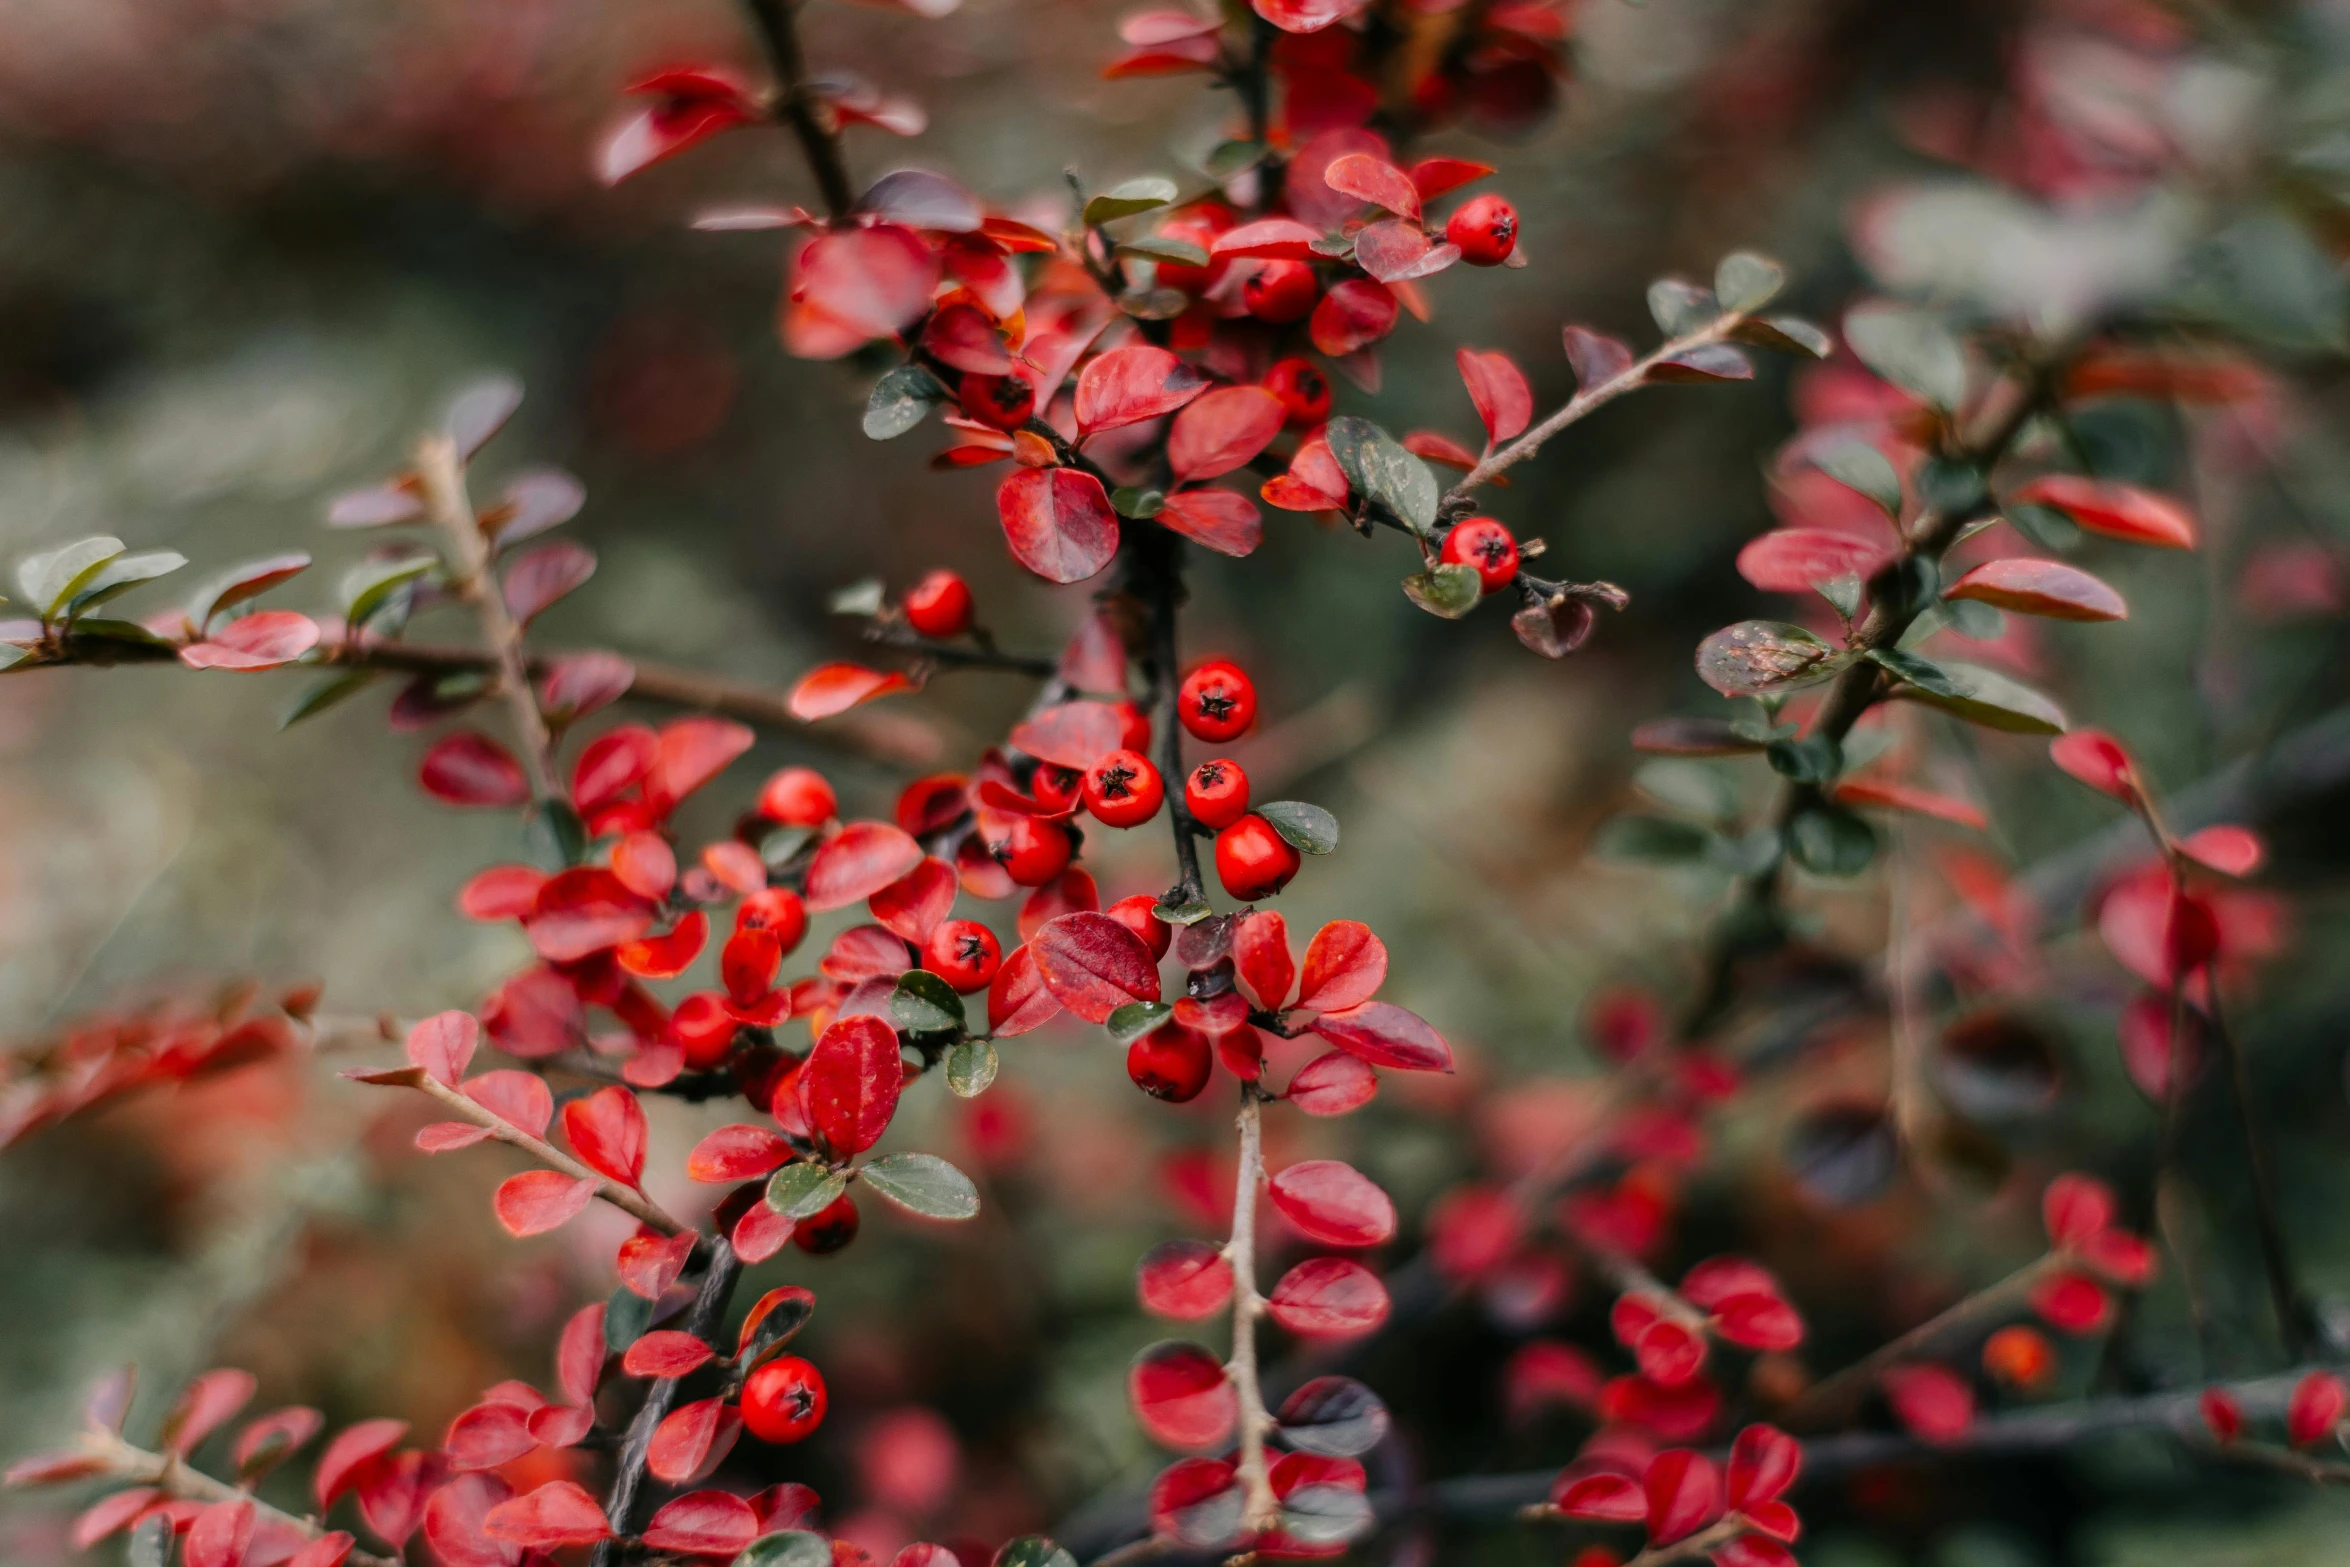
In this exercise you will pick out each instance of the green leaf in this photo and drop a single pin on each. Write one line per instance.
(1788, 334)
(923, 1183)
(1228, 158)
(1812, 761)
(1189, 912)
(1975, 619)
(151, 1542)
(107, 630)
(1137, 1018)
(1855, 464)
(1948, 486)
(1688, 786)
(1033, 1550)
(1752, 855)
(1842, 591)
(1978, 695)
(1450, 590)
(1745, 281)
(1154, 304)
(971, 1066)
(862, 597)
(1680, 307)
(370, 585)
(121, 574)
(1829, 840)
(1127, 199)
(1158, 247)
(1764, 657)
(1653, 840)
(923, 1003)
(2044, 526)
(1308, 828)
(901, 400)
(1910, 348)
(556, 836)
(1377, 467)
(791, 1548)
(51, 579)
(802, 1190)
(325, 693)
(626, 1316)
(1130, 500)
(13, 654)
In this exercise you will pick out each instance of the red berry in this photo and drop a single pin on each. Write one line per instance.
(940, 605)
(1486, 229)
(1171, 1062)
(1182, 275)
(702, 1026)
(776, 909)
(1123, 789)
(1487, 545)
(1216, 793)
(963, 953)
(1135, 914)
(784, 1399)
(1001, 401)
(1034, 851)
(798, 797)
(1135, 733)
(1056, 788)
(1252, 860)
(828, 1229)
(1280, 291)
(1304, 391)
(1216, 701)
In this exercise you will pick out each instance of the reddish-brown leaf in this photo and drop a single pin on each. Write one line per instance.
(1181, 1396)
(1070, 734)
(665, 1352)
(1595, 356)
(1131, 384)
(692, 104)
(1260, 959)
(1221, 520)
(1018, 1000)
(541, 576)
(1794, 560)
(469, 768)
(1333, 1202)
(1374, 180)
(850, 1083)
(537, 1201)
(737, 1153)
(1094, 965)
(2117, 510)
(607, 1131)
(1057, 521)
(1345, 966)
(1398, 250)
(1184, 1279)
(2040, 587)
(857, 862)
(1387, 1035)
(1498, 387)
(1329, 1297)
(558, 1513)
(1333, 1084)
(703, 1523)
(1434, 177)
(853, 285)
(1352, 315)
(835, 688)
(1221, 430)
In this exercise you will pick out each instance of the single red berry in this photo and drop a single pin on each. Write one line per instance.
(1134, 732)
(798, 797)
(1216, 701)
(940, 605)
(1123, 789)
(703, 1028)
(1135, 914)
(1303, 391)
(1487, 545)
(784, 1399)
(1252, 860)
(1216, 793)
(1034, 851)
(828, 1229)
(1056, 788)
(776, 909)
(1003, 402)
(1280, 291)
(1171, 1062)
(963, 953)
(1486, 229)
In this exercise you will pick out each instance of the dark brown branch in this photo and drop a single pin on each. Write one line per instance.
(2284, 1286)
(1157, 577)
(798, 106)
(959, 656)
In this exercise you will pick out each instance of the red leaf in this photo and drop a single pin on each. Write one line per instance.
(541, 576)
(469, 768)
(2071, 1303)
(1600, 1497)
(1434, 177)
(577, 684)
(1353, 315)
(1793, 560)
(835, 688)
(1268, 239)
(703, 1523)
(285, 1430)
(443, 1043)
(916, 902)
(1595, 356)
(1070, 734)
(2096, 759)
(1057, 521)
(607, 1131)
(612, 763)
(1345, 966)
(665, 1352)
(1934, 1402)
(1128, 385)
(517, 1098)
(2155, 929)
(645, 864)
(2221, 1413)
(1185, 1279)
(1095, 658)
(1752, 1550)
(1018, 1000)
(683, 1443)
(850, 1083)
(1329, 1297)
(258, 641)
(1094, 965)
(1888, 795)
(558, 1513)
(1333, 1203)
(503, 892)
(488, 1435)
(1304, 16)
(205, 1405)
(649, 1263)
(1496, 385)
(1222, 430)
(1260, 959)
(583, 911)
(2075, 1208)
(1374, 180)
(1398, 250)
(688, 753)
(393, 1493)
(1220, 520)
(1071, 892)
(737, 1153)
(106, 1516)
(1669, 1353)
(2230, 850)
(1388, 1036)
(963, 336)
(760, 1233)
(2040, 587)
(1759, 1320)
(1181, 1396)
(695, 104)
(1684, 1495)
(1764, 1462)
(351, 1451)
(2119, 511)
(853, 285)
(579, 1354)
(453, 1521)
(669, 954)
(537, 1201)
(1333, 1084)
(2316, 1407)
(857, 862)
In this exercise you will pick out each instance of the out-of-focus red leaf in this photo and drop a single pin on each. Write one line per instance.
(683, 1442)
(469, 768)
(262, 640)
(1684, 1494)
(1181, 1396)
(1333, 1084)
(204, 1406)
(1764, 1462)
(2096, 759)
(2228, 849)
(558, 1513)
(503, 892)
(665, 1352)
(1268, 239)
(853, 285)
(1600, 1497)
(443, 1043)
(669, 954)
(1329, 1297)
(220, 1535)
(916, 902)
(1221, 430)
(1595, 356)
(857, 862)
(537, 1201)
(835, 688)
(1070, 734)
(541, 576)
(1353, 315)
(352, 1450)
(2316, 1407)
(691, 105)
(1885, 793)
(1933, 1402)
(1184, 1279)
(703, 1523)
(1793, 560)
(1221, 520)
(2117, 510)
(607, 1130)
(1386, 1035)
(1333, 1202)
(1434, 177)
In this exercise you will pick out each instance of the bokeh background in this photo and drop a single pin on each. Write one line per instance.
(250, 246)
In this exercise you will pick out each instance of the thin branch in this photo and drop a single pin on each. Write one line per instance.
(1835, 1395)
(2284, 1286)
(798, 106)
(473, 579)
(622, 1502)
(959, 656)
(1261, 1510)
(171, 1474)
